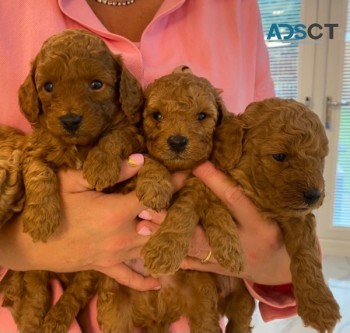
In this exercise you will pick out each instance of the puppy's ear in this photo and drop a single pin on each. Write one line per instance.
(228, 143)
(222, 111)
(130, 92)
(182, 69)
(28, 98)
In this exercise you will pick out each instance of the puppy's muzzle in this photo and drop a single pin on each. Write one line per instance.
(71, 122)
(311, 196)
(177, 143)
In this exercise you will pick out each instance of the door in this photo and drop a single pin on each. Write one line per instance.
(334, 216)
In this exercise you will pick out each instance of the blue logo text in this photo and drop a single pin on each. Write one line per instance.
(284, 31)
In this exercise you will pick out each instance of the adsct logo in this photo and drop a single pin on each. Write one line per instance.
(299, 32)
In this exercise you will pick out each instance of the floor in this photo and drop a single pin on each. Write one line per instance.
(337, 273)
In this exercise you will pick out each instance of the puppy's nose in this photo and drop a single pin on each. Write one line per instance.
(177, 143)
(311, 196)
(71, 122)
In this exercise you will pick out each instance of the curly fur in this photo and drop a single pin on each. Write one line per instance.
(178, 105)
(76, 125)
(183, 105)
(283, 152)
(275, 153)
(121, 309)
(11, 183)
(84, 107)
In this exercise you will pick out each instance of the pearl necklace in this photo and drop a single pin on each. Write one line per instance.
(116, 3)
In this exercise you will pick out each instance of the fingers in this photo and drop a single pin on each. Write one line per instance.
(219, 183)
(146, 228)
(190, 263)
(178, 180)
(73, 181)
(151, 215)
(127, 277)
(131, 166)
(127, 204)
(199, 247)
(240, 206)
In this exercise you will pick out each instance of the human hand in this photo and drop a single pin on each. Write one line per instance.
(97, 231)
(267, 261)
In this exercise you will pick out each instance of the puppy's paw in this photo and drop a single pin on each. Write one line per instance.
(30, 327)
(322, 313)
(108, 327)
(52, 325)
(164, 252)
(100, 170)
(225, 245)
(155, 195)
(229, 255)
(40, 221)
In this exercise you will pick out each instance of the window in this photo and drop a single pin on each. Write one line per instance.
(341, 215)
(284, 55)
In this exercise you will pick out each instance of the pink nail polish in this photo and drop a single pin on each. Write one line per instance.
(144, 231)
(145, 215)
(135, 159)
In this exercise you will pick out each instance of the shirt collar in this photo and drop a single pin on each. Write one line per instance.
(80, 12)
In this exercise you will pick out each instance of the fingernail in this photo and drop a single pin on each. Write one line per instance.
(157, 288)
(135, 159)
(145, 215)
(144, 231)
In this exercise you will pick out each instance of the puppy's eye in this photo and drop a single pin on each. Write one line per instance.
(279, 157)
(201, 116)
(96, 84)
(48, 86)
(157, 116)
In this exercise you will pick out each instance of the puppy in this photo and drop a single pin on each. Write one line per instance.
(121, 309)
(271, 133)
(182, 113)
(11, 183)
(11, 198)
(84, 107)
(280, 169)
(180, 119)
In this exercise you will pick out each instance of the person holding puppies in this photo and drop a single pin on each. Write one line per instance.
(221, 41)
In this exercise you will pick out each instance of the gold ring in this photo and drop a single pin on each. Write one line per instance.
(206, 259)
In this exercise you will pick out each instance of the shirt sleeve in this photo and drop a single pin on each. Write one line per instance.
(275, 302)
(264, 86)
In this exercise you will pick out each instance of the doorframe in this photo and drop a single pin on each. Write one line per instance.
(329, 56)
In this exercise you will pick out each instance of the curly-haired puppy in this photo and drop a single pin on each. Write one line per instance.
(84, 107)
(190, 110)
(182, 113)
(121, 309)
(283, 154)
(11, 183)
(180, 119)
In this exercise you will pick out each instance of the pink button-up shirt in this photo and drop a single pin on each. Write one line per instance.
(221, 40)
